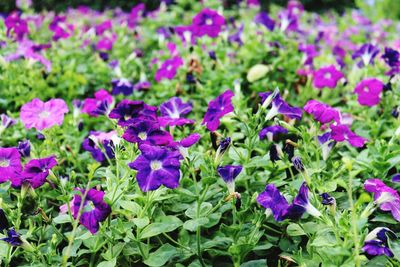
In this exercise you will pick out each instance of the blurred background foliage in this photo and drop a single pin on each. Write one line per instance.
(375, 9)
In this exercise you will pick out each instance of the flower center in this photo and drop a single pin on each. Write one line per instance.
(155, 165)
(327, 75)
(209, 22)
(89, 206)
(169, 67)
(142, 136)
(44, 114)
(4, 163)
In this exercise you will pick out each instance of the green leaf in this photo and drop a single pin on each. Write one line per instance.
(161, 256)
(63, 218)
(191, 225)
(294, 229)
(131, 206)
(110, 263)
(168, 224)
(255, 263)
(141, 222)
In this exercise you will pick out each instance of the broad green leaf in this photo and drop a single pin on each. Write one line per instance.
(168, 224)
(161, 256)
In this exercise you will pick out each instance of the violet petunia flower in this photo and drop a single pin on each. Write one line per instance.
(387, 198)
(392, 59)
(99, 104)
(157, 166)
(326, 144)
(376, 242)
(147, 132)
(396, 178)
(42, 115)
(322, 112)
(207, 22)
(60, 28)
(168, 69)
(128, 112)
(95, 209)
(35, 172)
(288, 21)
(184, 144)
(102, 27)
(99, 144)
(217, 108)
(236, 37)
(6, 122)
(342, 133)
(263, 19)
(228, 173)
(271, 131)
(327, 199)
(327, 76)
(369, 91)
(172, 112)
(279, 106)
(24, 148)
(366, 53)
(13, 238)
(121, 86)
(10, 163)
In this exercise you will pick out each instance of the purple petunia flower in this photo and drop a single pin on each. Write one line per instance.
(95, 106)
(147, 132)
(106, 43)
(16, 25)
(366, 53)
(10, 163)
(342, 132)
(327, 199)
(168, 69)
(42, 115)
(185, 143)
(391, 57)
(368, 91)
(157, 166)
(236, 37)
(385, 197)
(376, 242)
(172, 112)
(322, 112)
(279, 106)
(128, 112)
(99, 145)
(271, 131)
(288, 21)
(102, 27)
(121, 86)
(5, 122)
(327, 76)
(207, 22)
(24, 148)
(275, 203)
(228, 173)
(13, 238)
(310, 52)
(263, 19)
(326, 144)
(60, 28)
(95, 209)
(35, 172)
(217, 108)
(396, 178)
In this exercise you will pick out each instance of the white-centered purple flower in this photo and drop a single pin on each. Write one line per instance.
(366, 53)
(147, 132)
(173, 111)
(279, 106)
(207, 22)
(228, 173)
(100, 145)
(128, 112)
(121, 86)
(271, 131)
(168, 69)
(217, 108)
(265, 20)
(376, 242)
(10, 163)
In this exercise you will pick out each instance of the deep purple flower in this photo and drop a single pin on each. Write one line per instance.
(326, 144)
(396, 178)
(327, 76)
(10, 163)
(327, 199)
(300, 205)
(288, 21)
(142, 86)
(322, 112)
(128, 112)
(298, 164)
(207, 22)
(279, 106)
(93, 106)
(376, 242)
(385, 197)
(184, 144)
(271, 131)
(228, 173)
(42, 115)
(13, 238)
(263, 19)
(172, 112)
(95, 209)
(157, 166)
(121, 86)
(147, 132)
(6, 122)
(366, 53)
(99, 145)
(217, 108)
(16, 25)
(35, 172)
(368, 91)
(24, 148)
(168, 69)
(342, 132)
(391, 57)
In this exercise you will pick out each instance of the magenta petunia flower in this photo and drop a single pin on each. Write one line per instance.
(16, 25)
(60, 28)
(10, 163)
(95, 209)
(128, 112)
(342, 133)
(35, 172)
(368, 91)
(322, 112)
(42, 115)
(168, 69)
(95, 106)
(157, 166)
(207, 22)
(217, 108)
(172, 112)
(327, 77)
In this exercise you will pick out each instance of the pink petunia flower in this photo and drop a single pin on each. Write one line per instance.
(342, 133)
(42, 115)
(327, 77)
(369, 91)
